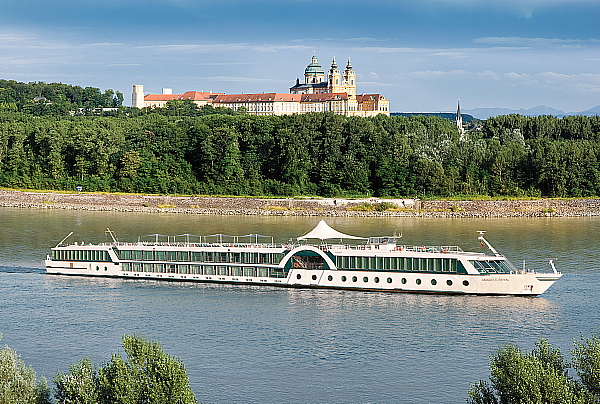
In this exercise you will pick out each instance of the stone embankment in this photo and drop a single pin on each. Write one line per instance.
(296, 207)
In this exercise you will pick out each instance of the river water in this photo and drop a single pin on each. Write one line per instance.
(245, 344)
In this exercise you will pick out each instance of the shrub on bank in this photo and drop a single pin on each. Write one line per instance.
(145, 375)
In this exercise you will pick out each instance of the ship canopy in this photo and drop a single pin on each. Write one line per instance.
(323, 231)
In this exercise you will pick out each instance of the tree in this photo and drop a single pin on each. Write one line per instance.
(536, 377)
(586, 361)
(147, 375)
(80, 385)
(17, 381)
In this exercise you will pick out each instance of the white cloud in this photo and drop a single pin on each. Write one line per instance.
(515, 40)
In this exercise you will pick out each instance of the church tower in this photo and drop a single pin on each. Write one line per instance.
(349, 79)
(137, 97)
(334, 79)
(459, 122)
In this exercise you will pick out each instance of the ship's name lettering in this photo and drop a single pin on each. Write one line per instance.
(495, 280)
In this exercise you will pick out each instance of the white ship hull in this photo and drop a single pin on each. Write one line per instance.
(378, 265)
(525, 284)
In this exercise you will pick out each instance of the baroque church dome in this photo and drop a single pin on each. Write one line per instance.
(314, 68)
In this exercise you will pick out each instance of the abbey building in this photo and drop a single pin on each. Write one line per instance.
(335, 93)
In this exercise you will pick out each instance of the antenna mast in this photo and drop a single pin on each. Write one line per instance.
(112, 235)
(484, 241)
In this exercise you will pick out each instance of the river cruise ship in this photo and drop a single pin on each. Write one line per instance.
(372, 264)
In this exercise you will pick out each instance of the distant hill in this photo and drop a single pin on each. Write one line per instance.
(448, 115)
(484, 113)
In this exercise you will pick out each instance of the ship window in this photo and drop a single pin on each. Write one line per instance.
(137, 255)
(197, 257)
(147, 255)
(249, 271)
(466, 283)
(330, 278)
(97, 268)
(418, 281)
(372, 264)
(147, 267)
(221, 270)
(223, 257)
(314, 277)
(171, 255)
(389, 280)
(183, 269)
(236, 257)
(376, 279)
(183, 256)
(159, 255)
(264, 272)
(298, 276)
(449, 282)
(352, 263)
(159, 267)
(277, 257)
(235, 271)
(404, 281)
(209, 270)
(437, 265)
(354, 279)
(343, 279)
(365, 279)
(196, 269)
(433, 282)
(379, 263)
(408, 264)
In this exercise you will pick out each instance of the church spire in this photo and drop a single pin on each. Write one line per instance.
(459, 122)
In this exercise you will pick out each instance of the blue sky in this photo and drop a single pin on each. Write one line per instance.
(422, 54)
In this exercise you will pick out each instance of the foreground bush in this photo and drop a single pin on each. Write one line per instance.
(146, 375)
(18, 382)
(541, 376)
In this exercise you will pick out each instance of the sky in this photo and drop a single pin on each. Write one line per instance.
(423, 55)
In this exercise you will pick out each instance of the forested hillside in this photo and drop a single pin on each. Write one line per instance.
(39, 98)
(311, 154)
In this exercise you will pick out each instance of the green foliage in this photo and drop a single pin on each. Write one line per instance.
(39, 98)
(540, 376)
(17, 381)
(80, 385)
(586, 361)
(379, 207)
(147, 375)
(217, 151)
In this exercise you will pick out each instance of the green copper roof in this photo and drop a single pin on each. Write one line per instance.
(314, 67)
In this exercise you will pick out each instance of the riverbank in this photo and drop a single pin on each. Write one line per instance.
(296, 207)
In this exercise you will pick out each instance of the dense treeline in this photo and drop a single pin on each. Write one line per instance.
(205, 151)
(39, 98)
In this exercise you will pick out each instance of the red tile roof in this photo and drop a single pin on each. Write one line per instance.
(188, 95)
(264, 97)
(160, 97)
(324, 97)
(372, 97)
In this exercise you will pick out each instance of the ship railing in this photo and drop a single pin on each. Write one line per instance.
(433, 249)
(183, 244)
